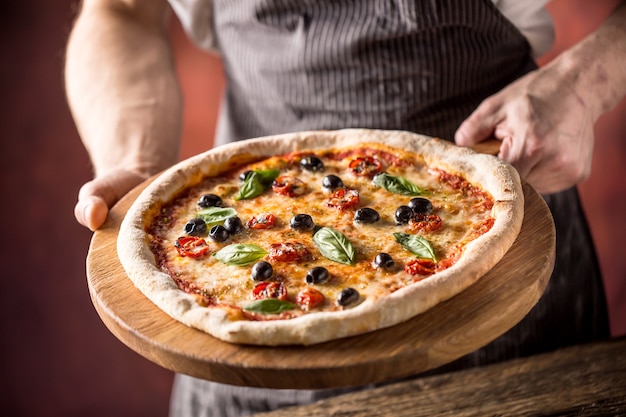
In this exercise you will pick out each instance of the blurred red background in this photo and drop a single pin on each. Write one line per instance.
(56, 356)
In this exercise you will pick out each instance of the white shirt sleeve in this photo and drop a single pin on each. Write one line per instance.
(532, 19)
(196, 17)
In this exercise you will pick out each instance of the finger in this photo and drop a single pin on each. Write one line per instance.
(91, 212)
(481, 124)
(97, 196)
(524, 151)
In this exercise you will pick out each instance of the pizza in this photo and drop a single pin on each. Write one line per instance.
(307, 237)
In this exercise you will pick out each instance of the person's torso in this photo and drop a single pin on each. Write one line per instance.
(413, 65)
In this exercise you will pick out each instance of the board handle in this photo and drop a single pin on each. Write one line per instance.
(489, 146)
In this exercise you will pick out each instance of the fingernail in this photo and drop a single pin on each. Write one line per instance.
(84, 208)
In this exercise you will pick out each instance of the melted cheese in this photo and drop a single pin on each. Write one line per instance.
(460, 212)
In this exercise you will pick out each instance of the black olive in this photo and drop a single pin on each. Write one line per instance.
(219, 233)
(233, 225)
(383, 260)
(302, 222)
(421, 205)
(403, 214)
(366, 215)
(317, 275)
(347, 296)
(331, 182)
(210, 200)
(311, 163)
(244, 175)
(262, 271)
(195, 227)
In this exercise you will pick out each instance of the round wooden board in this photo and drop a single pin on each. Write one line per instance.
(456, 327)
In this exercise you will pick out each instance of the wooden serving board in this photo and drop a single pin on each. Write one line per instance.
(456, 327)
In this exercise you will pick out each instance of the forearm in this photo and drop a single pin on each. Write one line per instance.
(595, 66)
(122, 88)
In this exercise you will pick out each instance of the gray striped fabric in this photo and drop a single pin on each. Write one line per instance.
(413, 65)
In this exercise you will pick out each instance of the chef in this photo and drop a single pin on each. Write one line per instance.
(457, 69)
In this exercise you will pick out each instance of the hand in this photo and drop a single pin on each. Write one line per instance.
(97, 196)
(546, 129)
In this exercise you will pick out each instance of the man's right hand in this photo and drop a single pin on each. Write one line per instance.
(100, 194)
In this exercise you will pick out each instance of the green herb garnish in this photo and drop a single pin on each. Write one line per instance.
(417, 245)
(396, 184)
(269, 306)
(213, 215)
(256, 183)
(334, 246)
(240, 254)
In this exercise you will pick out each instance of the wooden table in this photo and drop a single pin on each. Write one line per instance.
(587, 380)
(453, 328)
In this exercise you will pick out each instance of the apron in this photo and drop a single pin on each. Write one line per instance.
(421, 66)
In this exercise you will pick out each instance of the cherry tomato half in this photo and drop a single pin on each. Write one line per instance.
(344, 198)
(289, 252)
(365, 166)
(309, 298)
(420, 266)
(262, 221)
(289, 186)
(267, 289)
(191, 246)
(425, 222)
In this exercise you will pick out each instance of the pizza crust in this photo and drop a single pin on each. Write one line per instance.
(495, 176)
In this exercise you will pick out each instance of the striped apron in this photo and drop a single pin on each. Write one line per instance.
(420, 65)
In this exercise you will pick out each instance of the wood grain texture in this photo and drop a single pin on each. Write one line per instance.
(489, 146)
(577, 381)
(448, 331)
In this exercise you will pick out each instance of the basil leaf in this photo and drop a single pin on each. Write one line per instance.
(417, 245)
(212, 215)
(334, 246)
(396, 184)
(240, 254)
(267, 176)
(256, 183)
(269, 306)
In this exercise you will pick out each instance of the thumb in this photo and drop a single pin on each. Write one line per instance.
(96, 197)
(480, 125)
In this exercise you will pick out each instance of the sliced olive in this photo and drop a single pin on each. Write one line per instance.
(317, 275)
(366, 215)
(302, 222)
(210, 200)
(262, 271)
(219, 233)
(421, 205)
(311, 163)
(347, 296)
(196, 227)
(331, 182)
(383, 260)
(403, 214)
(233, 225)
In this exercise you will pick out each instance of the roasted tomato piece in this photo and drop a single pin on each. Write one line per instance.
(191, 246)
(309, 298)
(289, 186)
(344, 198)
(420, 266)
(425, 222)
(262, 221)
(266, 289)
(289, 252)
(365, 166)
